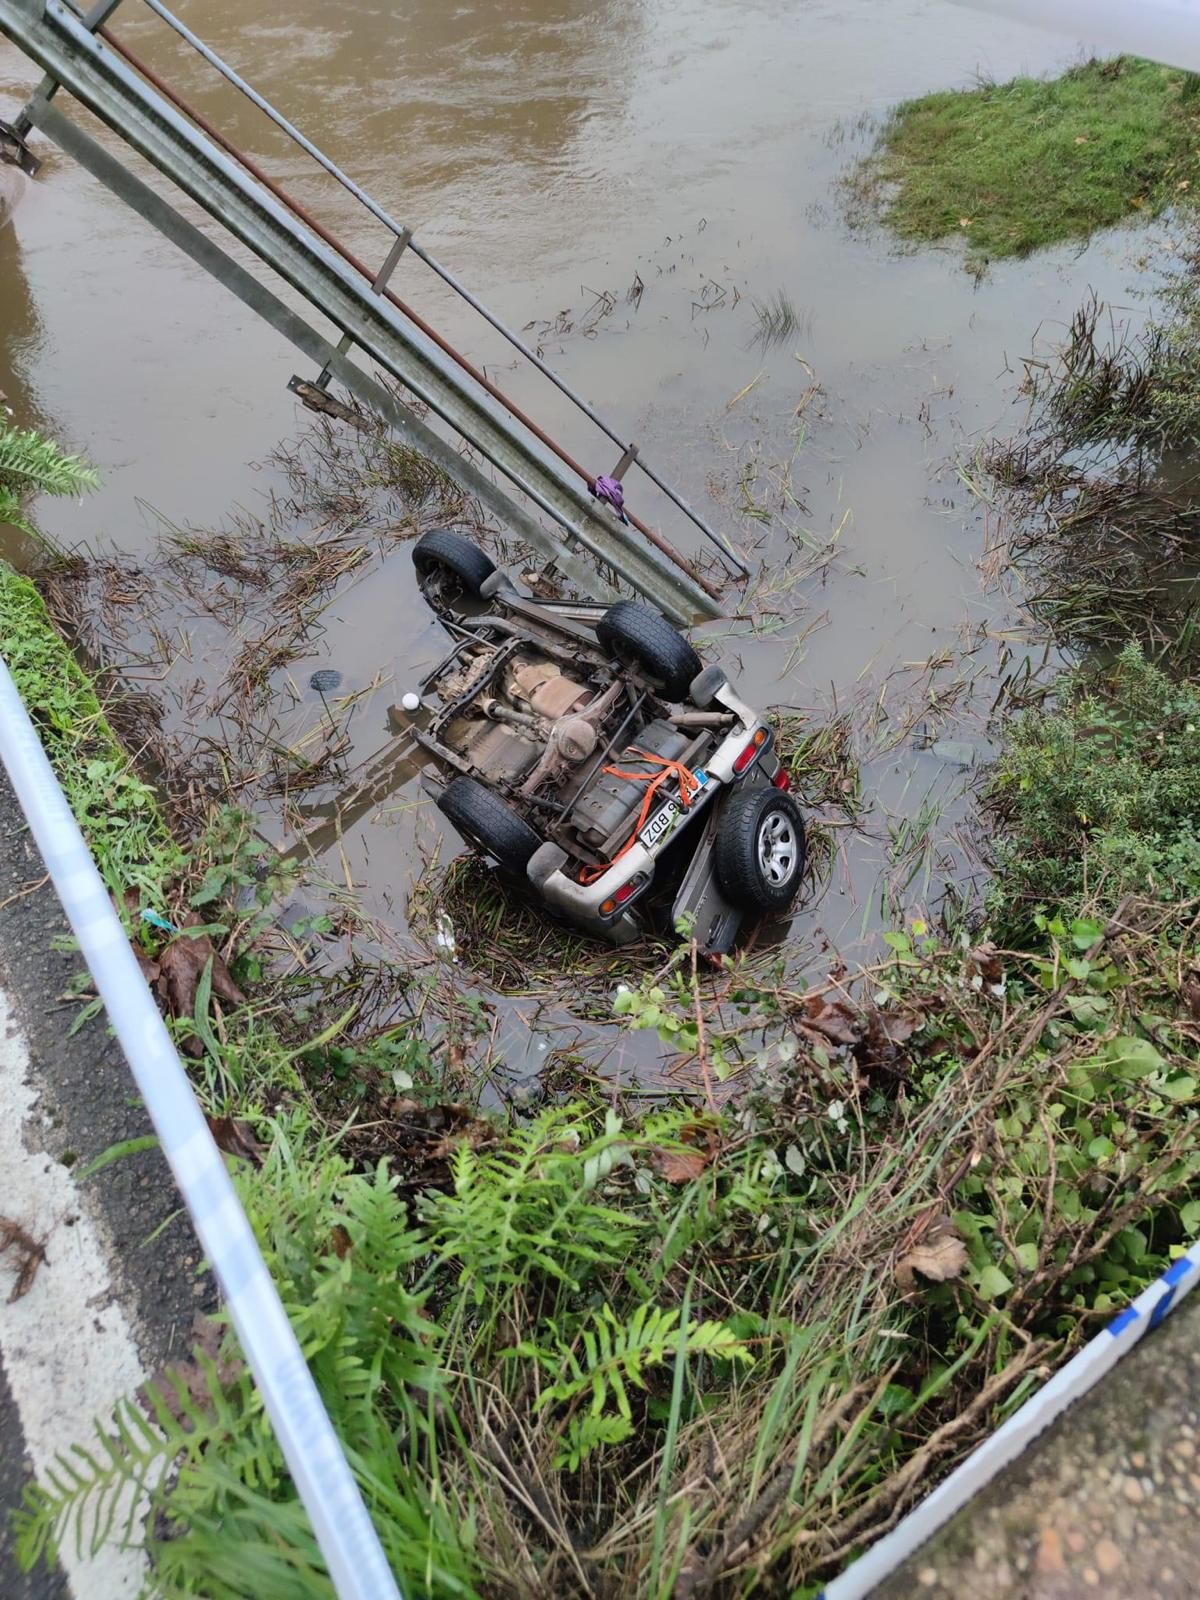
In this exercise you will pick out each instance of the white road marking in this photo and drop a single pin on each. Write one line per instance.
(67, 1346)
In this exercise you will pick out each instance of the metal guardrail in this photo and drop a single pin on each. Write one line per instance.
(186, 148)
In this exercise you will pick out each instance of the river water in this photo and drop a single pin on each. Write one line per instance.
(549, 152)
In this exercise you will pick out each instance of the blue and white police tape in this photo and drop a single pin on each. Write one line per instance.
(348, 1540)
(1079, 1375)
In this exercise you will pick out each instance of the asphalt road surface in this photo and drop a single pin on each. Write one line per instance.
(115, 1292)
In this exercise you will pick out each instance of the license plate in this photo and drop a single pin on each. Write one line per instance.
(664, 819)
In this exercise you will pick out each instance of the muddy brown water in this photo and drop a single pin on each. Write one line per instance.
(554, 153)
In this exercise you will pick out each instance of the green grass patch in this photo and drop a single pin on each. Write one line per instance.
(1014, 167)
(116, 809)
(1099, 797)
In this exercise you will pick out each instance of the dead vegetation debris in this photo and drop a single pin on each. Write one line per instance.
(26, 1255)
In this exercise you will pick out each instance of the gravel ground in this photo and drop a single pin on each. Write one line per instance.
(1105, 1506)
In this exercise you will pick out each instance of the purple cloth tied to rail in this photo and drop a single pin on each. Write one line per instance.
(611, 491)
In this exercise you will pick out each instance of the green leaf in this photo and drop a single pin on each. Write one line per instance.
(1189, 1217)
(1027, 1255)
(993, 1282)
(1182, 1087)
(118, 1152)
(1131, 1057)
(1101, 1149)
(200, 1018)
(1085, 931)
(84, 1015)
(1135, 1242)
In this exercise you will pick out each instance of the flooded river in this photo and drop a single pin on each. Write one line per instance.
(552, 153)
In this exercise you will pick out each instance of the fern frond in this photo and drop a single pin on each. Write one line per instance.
(529, 1208)
(586, 1433)
(615, 1355)
(88, 1489)
(11, 512)
(30, 464)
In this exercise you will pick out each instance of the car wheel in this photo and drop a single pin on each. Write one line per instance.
(450, 565)
(760, 849)
(635, 634)
(488, 822)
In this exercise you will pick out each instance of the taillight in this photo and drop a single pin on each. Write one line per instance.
(781, 780)
(623, 895)
(751, 753)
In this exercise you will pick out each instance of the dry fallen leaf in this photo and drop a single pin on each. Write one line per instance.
(208, 1335)
(28, 1252)
(897, 1027)
(181, 966)
(985, 959)
(940, 1256)
(466, 1129)
(679, 1166)
(1082, 139)
(834, 1021)
(236, 1139)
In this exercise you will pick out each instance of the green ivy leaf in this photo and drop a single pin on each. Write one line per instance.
(1182, 1087)
(1085, 931)
(1133, 1058)
(993, 1282)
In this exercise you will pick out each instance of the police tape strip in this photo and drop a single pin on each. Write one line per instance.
(348, 1541)
(1079, 1375)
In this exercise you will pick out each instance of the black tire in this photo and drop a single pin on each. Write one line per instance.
(488, 822)
(456, 563)
(634, 633)
(754, 874)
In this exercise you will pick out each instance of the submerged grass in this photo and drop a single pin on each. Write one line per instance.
(1014, 167)
(1099, 490)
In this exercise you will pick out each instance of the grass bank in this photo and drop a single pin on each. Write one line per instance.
(598, 1351)
(1010, 168)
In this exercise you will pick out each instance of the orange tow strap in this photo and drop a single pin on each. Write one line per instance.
(688, 787)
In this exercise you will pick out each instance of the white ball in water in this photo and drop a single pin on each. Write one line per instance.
(411, 701)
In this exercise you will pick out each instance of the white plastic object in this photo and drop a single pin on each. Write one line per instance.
(411, 701)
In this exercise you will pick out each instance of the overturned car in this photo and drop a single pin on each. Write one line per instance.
(590, 753)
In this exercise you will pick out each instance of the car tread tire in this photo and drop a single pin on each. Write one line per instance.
(488, 822)
(740, 872)
(634, 632)
(454, 553)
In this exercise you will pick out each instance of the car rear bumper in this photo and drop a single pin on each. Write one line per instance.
(581, 903)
